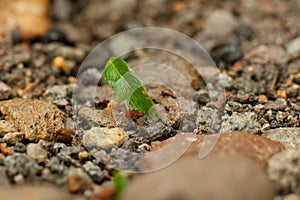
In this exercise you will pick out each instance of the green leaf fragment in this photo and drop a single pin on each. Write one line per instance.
(120, 183)
(127, 86)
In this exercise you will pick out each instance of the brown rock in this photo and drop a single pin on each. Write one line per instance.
(255, 147)
(97, 117)
(76, 183)
(6, 127)
(33, 192)
(30, 16)
(37, 119)
(215, 177)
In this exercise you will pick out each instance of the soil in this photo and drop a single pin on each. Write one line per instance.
(62, 124)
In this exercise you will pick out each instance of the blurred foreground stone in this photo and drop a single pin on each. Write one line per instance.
(215, 177)
(33, 192)
(255, 147)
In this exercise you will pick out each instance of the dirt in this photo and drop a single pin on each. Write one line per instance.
(52, 95)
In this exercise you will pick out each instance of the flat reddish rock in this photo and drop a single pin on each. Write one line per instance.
(255, 147)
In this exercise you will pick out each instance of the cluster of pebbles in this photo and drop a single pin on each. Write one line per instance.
(49, 136)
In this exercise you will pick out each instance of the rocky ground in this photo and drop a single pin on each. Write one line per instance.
(69, 147)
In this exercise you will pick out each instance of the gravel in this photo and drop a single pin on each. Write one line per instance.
(284, 169)
(94, 171)
(20, 163)
(73, 132)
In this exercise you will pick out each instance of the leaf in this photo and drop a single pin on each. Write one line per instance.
(120, 183)
(127, 86)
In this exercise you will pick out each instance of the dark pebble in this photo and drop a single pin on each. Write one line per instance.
(253, 99)
(156, 131)
(229, 53)
(248, 86)
(94, 171)
(55, 35)
(278, 104)
(19, 148)
(73, 151)
(57, 147)
(273, 124)
(129, 145)
(67, 159)
(202, 96)
(245, 31)
(123, 160)
(55, 166)
(62, 10)
(16, 36)
(297, 80)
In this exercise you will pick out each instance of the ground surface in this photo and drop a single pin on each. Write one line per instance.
(60, 125)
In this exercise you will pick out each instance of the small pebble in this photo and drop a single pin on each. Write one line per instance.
(104, 138)
(59, 63)
(19, 179)
(83, 155)
(55, 166)
(5, 91)
(36, 152)
(5, 150)
(54, 34)
(278, 104)
(229, 53)
(293, 47)
(56, 92)
(94, 171)
(13, 138)
(19, 148)
(77, 181)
